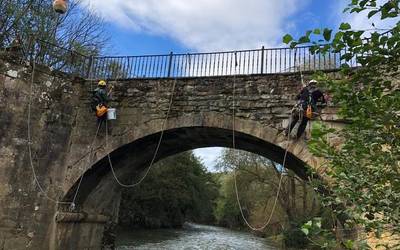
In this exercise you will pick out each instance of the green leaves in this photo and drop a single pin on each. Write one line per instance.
(287, 38)
(345, 26)
(349, 244)
(390, 9)
(304, 39)
(367, 157)
(327, 34)
(305, 230)
(372, 13)
(177, 189)
(318, 236)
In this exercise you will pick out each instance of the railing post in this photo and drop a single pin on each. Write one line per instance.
(89, 71)
(170, 64)
(262, 59)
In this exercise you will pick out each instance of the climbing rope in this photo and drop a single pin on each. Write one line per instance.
(155, 152)
(30, 140)
(301, 72)
(268, 221)
(72, 207)
(41, 189)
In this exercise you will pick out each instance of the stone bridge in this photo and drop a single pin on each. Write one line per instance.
(65, 151)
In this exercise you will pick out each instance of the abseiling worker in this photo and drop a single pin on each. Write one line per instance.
(100, 100)
(306, 107)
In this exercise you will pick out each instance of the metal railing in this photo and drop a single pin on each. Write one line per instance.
(59, 58)
(244, 62)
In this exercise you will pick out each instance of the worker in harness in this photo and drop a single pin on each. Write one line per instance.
(306, 107)
(100, 101)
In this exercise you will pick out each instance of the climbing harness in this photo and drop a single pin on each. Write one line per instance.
(299, 109)
(309, 113)
(156, 151)
(41, 189)
(268, 221)
(89, 153)
(101, 110)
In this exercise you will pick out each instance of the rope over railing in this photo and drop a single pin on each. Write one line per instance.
(249, 62)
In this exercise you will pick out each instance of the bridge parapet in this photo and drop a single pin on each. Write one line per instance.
(182, 65)
(63, 128)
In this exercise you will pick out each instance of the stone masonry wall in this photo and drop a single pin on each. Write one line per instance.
(25, 215)
(63, 128)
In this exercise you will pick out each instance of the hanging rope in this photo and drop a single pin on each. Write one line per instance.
(30, 141)
(268, 221)
(157, 147)
(41, 189)
(72, 207)
(299, 66)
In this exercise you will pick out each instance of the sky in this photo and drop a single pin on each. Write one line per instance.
(139, 27)
(143, 27)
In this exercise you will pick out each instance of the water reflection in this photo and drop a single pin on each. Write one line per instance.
(192, 236)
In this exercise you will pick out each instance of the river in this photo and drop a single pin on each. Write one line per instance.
(192, 236)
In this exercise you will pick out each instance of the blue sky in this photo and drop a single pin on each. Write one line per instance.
(141, 27)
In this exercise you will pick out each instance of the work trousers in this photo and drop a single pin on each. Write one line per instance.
(303, 124)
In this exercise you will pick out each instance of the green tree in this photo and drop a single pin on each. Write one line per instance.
(177, 189)
(37, 28)
(258, 183)
(365, 168)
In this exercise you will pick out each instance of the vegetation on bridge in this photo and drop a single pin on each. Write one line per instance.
(365, 168)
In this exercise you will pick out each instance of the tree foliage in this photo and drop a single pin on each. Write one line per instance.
(258, 183)
(78, 29)
(366, 166)
(177, 189)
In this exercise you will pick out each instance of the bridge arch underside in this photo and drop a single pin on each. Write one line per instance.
(98, 189)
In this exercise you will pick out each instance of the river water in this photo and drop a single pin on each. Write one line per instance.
(192, 236)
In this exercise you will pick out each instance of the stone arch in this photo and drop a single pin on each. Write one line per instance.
(186, 132)
(99, 195)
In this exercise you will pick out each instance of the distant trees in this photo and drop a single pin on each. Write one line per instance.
(258, 181)
(178, 189)
(78, 29)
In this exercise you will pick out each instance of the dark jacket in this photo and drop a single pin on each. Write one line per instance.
(311, 95)
(101, 96)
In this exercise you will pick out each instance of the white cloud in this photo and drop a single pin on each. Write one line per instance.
(209, 156)
(204, 24)
(360, 21)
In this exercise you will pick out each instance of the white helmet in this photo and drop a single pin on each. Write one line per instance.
(312, 82)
